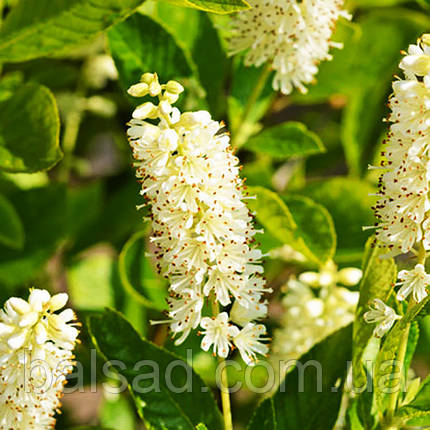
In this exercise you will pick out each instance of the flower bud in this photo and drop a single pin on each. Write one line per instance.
(58, 301)
(147, 78)
(189, 119)
(138, 90)
(154, 89)
(146, 110)
(20, 306)
(174, 87)
(165, 107)
(425, 38)
(349, 276)
(170, 97)
(310, 278)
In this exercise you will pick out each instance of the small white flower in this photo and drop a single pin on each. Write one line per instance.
(414, 281)
(383, 315)
(185, 312)
(242, 315)
(249, 342)
(218, 332)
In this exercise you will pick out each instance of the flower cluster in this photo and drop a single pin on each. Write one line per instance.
(309, 316)
(202, 229)
(403, 207)
(292, 35)
(36, 345)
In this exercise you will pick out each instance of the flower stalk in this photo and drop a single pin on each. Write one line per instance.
(237, 139)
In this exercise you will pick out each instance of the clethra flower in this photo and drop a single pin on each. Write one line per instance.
(292, 35)
(202, 231)
(414, 281)
(249, 342)
(403, 206)
(36, 356)
(218, 332)
(383, 315)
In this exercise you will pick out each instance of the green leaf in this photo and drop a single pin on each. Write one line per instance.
(201, 426)
(379, 276)
(160, 406)
(296, 221)
(140, 45)
(289, 139)
(9, 84)
(315, 236)
(272, 213)
(138, 276)
(117, 413)
(11, 228)
(29, 130)
(42, 214)
(215, 6)
(57, 25)
(417, 412)
(90, 277)
(310, 396)
(414, 335)
(349, 204)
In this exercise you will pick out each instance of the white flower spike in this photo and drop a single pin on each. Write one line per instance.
(202, 230)
(403, 207)
(36, 345)
(414, 282)
(383, 315)
(292, 35)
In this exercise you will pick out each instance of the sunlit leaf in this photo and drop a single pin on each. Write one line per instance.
(289, 139)
(29, 130)
(160, 406)
(56, 25)
(310, 396)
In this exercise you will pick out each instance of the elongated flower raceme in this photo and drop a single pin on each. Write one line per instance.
(36, 354)
(403, 207)
(293, 36)
(202, 229)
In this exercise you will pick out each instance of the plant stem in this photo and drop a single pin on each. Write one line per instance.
(225, 394)
(421, 254)
(392, 403)
(256, 92)
(71, 130)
